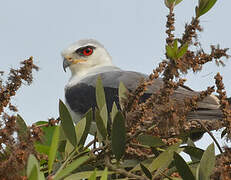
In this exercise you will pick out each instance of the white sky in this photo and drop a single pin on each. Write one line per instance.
(133, 31)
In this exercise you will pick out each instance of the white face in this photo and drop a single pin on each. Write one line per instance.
(85, 54)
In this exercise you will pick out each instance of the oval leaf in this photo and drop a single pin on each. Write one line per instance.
(181, 52)
(42, 148)
(67, 123)
(104, 175)
(190, 143)
(207, 163)
(183, 167)
(169, 3)
(79, 128)
(114, 111)
(149, 140)
(100, 94)
(194, 152)
(118, 136)
(170, 52)
(86, 175)
(104, 115)
(53, 149)
(34, 174)
(122, 94)
(31, 163)
(47, 133)
(164, 159)
(100, 124)
(204, 6)
(88, 118)
(177, 2)
(175, 46)
(21, 128)
(71, 167)
(93, 176)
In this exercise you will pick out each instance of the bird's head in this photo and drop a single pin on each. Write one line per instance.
(84, 55)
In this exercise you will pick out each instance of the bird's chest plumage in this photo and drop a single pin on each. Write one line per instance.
(81, 97)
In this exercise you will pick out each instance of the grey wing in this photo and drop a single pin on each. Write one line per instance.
(207, 109)
(112, 79)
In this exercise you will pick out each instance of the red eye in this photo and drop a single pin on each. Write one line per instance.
(87, 51)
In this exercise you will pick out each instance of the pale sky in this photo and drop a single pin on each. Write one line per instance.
(133, 31)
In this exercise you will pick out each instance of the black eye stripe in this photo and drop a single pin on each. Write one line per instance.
(80, 50)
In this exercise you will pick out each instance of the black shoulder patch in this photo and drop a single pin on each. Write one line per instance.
(81, 97)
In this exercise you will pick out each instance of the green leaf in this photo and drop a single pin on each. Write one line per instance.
(68, 148)
(83, 136)
(183, 167)
(67, 123)
(149, 140)
(100, 124)
(175, 46)
(113, 111)
(86, 175)
(71, 167)
(47, 133)
(146, 162)
(204, 7)
(164, 159)
(129, 163)
(197, 172)
(100, 95)
(181, 52)
(122, 94)
(93, 176)
(34, 174)
(207, 163)
(190, 143)
(42, 148)
(79, 128)
(21, 128)
(104, 115)
(194, 152)
(146, 171)
(62, 145)
(170, 3)
(104, 175)
(155, 151)
(32, 166)
(177, 2)
(118, 136)
(170, 52)
(41, 176)
(53, 149)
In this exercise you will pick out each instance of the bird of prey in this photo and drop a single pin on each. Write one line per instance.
(87, 59)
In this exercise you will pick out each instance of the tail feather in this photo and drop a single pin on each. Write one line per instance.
(206, 114)
(208, 109)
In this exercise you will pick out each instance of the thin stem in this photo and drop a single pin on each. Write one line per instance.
(64, 164)
(211, 135)
(122, 171)
(90, 143)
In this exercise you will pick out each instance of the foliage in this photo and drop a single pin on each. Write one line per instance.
(138, 140)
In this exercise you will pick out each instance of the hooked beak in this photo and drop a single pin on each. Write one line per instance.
(69, 61)
(66, 63)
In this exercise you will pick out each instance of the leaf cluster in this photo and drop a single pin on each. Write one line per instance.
(137, 140)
